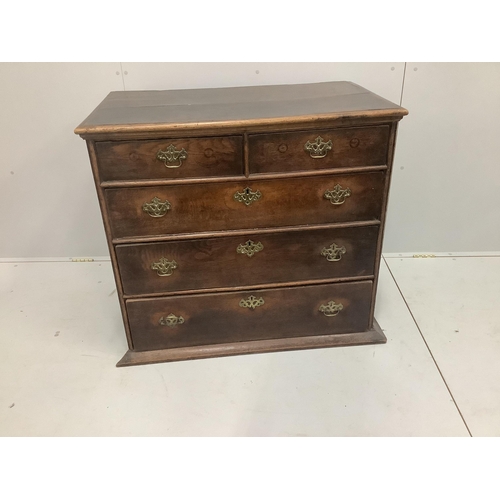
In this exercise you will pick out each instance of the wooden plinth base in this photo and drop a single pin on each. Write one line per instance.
(374, 336)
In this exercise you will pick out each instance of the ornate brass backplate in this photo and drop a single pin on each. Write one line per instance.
(171, 157)
(337, 195)
(331, 309)
(171, 320)
(319, 148)
(156, 207)
(250, 248)
(252, 302)
(333, 253)
(247, 196)
(164, 267)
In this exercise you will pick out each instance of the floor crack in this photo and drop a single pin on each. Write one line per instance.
(428, 348)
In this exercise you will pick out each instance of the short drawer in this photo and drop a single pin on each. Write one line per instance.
(170, 158)
(204, 319)
(318, 149)
(159, 210)
(288, 256)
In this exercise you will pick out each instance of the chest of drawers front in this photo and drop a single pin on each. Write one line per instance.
(247, 241)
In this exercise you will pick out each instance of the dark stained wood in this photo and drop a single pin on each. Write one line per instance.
(302, 123)
(213, 156)
(351, 147)
(245, 155)
(237, 138)
(218, 318)
(214, 262)
(154, 112)
(197, 207)
(262, 286)
(372, 336)
(239, 232)
(112, 253)
(264, 176)
(385, 200)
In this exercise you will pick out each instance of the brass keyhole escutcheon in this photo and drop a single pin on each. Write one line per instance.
(252, 302)
(248, 196)
(250, 248)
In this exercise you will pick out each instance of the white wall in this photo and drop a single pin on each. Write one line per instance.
(446, 177)
(48, 205)
(446, 183)
(382, 78)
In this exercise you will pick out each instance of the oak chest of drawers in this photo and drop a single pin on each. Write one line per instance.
(244, 220)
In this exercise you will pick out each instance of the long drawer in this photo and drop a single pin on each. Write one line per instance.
(247, 260)
(191, 320)
(159, 210)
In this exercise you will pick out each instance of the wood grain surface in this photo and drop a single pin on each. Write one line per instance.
(243, 144)
(155, 112)
(291, 256)
(199, 207)
(218, 318)
(373, 336)
(350, 147)
(136, 160)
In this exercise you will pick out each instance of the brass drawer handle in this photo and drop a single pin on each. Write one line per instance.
(171, 320)
(331, 309)
(319, 148)
(333, 253)
(337, 195)
(164, 267)
(247, 196)
(171, 157)
(156, 207)
(252, 302)
(250, 248)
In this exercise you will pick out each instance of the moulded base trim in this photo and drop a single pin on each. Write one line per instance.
(374, 336)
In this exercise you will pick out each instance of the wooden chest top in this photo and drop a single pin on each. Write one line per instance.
(156, 111)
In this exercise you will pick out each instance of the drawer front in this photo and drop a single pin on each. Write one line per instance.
(319, 149)
(159, 210)
(170, 158)
(247, 260)
(217, 318)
